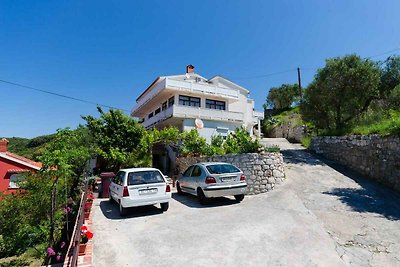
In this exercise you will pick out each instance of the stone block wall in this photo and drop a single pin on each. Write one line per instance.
(372, 155)
(263, 171)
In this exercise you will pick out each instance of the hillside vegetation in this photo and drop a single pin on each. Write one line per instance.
(29, 148)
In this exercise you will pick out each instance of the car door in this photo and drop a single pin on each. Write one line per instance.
(184, 180)
(118, 185)
(194, 177)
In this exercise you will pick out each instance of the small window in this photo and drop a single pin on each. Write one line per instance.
(188, 171)
(14, 180)
(151, 115)
(196, 171)
(145, 177)
(157, 111)
(215, 104)
(189, 101)
(171, 101)
(164, 105)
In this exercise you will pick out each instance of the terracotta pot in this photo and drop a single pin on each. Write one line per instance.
(82, 248)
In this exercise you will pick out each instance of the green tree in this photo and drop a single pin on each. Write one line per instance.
(119, 138)
(340, 92)
(282, 97)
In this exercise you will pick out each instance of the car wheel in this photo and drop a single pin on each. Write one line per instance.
(239, 197)
(164, 206)
(179, 189)
(122, 210)
(202, 198)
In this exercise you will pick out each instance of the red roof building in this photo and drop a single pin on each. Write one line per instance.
(11, 166)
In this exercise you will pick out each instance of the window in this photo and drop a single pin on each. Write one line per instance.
(222, 168)
(145, 177)
(196, 171)
(215, 104)
(157, 111)
(164, 105)
(14, 180)
(188, 171)
(119, 178)
(189, 101)
(171, 101)
(151, 115)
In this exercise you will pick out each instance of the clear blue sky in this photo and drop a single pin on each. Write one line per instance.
(110, 51)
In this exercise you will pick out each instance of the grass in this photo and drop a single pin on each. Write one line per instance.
(306, 141)
(272, 149)
(385, 126)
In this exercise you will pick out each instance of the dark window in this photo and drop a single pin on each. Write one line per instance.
(164, 105)
(215, 104)
(145, 177)
(119, 178)
(151, 115)
(188, 171)
(171, 101)
(196, 171)
(157, 111)
(189, 101)
(222, 168)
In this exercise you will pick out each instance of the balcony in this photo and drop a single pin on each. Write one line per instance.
(202, 88)
(178, 111)
(185, 86)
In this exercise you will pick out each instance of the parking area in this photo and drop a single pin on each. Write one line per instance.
(320, 216)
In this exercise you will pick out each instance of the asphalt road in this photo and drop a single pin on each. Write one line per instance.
(320, 216)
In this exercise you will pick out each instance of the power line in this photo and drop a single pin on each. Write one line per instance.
(61, 95)
(385, 53)
(265, 75)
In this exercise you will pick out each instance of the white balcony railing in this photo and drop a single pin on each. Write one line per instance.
(258, 114)
(201, 88)
(178, 111)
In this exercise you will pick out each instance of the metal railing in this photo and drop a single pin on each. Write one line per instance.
(73, 250)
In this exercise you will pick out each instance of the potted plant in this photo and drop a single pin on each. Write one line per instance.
(87, 208)
(85, 236)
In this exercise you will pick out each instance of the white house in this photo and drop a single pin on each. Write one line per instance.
(220, 104)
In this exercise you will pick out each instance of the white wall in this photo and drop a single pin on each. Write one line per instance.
(210, 128)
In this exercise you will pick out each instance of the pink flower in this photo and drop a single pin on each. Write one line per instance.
(50, 252)
(62, 244)
(59, 257)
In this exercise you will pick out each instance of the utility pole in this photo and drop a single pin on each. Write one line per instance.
(299, 79)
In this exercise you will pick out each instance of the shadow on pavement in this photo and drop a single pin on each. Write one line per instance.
(111, 211)
(368, 200)
(192, 201)
(371, 197)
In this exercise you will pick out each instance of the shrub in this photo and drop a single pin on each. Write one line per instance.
(306, 141)
(193, 144)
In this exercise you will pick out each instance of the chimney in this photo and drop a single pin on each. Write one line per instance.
(3, 145)
(189, 69)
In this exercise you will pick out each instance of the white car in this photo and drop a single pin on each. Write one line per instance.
(140, 187)
(212, 179)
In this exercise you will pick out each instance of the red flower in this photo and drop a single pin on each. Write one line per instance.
(84, 228)
(89, 235)
(90, 196)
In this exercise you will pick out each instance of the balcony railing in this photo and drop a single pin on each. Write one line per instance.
(201, 88)
(194, 87)
(178, 111)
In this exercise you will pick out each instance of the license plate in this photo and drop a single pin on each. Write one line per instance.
(148, 191)
(227, 179)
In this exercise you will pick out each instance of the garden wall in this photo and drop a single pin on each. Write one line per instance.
(372, 155)
(263, 171)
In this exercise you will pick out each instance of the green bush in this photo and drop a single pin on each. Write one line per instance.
(193, 144)
(306, 141)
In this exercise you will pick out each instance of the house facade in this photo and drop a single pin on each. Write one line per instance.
(11, 168)
(215, 106)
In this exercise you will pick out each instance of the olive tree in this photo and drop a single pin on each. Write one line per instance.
(341, 91)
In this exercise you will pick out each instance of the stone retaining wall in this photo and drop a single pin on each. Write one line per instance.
(262, 170)
(372, 155)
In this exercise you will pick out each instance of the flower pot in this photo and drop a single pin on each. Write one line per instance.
(87, 213)
(82, 248)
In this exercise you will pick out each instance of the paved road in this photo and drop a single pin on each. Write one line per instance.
(320, 216)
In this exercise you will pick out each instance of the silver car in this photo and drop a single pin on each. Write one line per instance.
(212, 179)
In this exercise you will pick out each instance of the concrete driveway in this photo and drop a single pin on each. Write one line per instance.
(320, 216)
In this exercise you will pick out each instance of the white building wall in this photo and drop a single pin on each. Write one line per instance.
(211, 128)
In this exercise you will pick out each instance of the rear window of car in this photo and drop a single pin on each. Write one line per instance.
(222, 168)
(145, 177)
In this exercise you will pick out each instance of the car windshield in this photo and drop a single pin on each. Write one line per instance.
(222, 168)
(144, 177)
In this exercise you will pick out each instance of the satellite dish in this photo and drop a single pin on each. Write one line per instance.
(199, 123)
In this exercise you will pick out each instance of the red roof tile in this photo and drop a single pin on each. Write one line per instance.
(22, 159)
